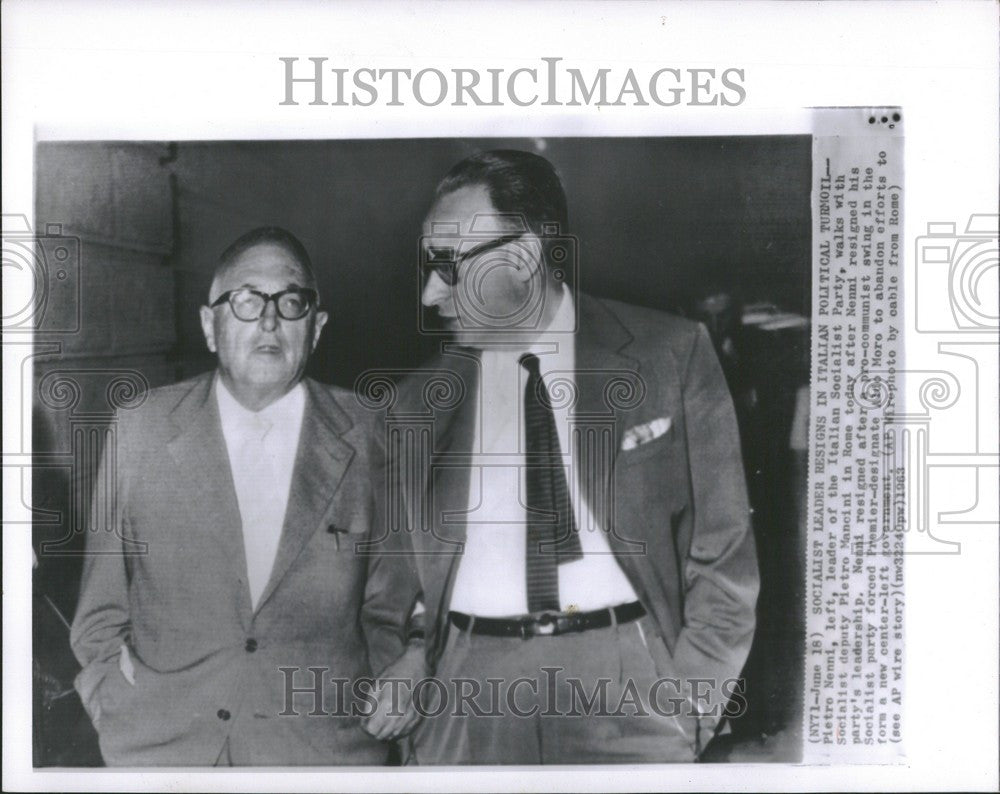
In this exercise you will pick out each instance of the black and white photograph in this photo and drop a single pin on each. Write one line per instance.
(538, 396)
(367, 582)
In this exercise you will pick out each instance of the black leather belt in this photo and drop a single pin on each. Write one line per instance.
(548, 624)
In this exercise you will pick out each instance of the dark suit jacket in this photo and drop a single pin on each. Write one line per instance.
(675, 509)
(166, 575)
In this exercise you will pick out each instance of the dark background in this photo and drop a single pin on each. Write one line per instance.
(660, 222)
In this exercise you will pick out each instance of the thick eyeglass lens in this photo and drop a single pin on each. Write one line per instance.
(249, 305)
(246, 305)
(292, 305)
(442, 261)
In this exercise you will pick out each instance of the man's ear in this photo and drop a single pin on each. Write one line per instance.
(321, 318)
(208, 326)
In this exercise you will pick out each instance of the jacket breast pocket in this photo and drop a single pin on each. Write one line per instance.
(346, 533)
(349, 518)
(658, 446)
(653, 478)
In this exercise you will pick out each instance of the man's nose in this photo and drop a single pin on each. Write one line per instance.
(436, 291)
(269, 317)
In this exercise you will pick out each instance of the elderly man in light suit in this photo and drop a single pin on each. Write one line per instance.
(582, 522)
(238, 578)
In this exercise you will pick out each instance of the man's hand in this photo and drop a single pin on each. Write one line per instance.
(395, 715)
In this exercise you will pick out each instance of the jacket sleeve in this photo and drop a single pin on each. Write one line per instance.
(721, 579)
(392, 585)
(101, 624)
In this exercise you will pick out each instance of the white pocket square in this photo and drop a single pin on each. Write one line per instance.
(643, 434)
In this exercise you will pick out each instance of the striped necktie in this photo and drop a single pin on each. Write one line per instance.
(552, 535)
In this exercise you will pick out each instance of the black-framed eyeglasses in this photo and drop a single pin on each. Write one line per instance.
(249, 304)
(443, 261)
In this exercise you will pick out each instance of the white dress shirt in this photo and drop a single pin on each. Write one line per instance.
(262, 446)
(491, 576)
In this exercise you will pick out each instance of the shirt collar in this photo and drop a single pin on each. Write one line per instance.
(555, 342)
(563, 321)
(557, 335)
(285, 409)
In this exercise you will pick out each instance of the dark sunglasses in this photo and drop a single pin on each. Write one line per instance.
(442, 259)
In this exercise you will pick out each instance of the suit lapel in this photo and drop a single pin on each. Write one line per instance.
(609, 385)
(321, 461)
(199, 449)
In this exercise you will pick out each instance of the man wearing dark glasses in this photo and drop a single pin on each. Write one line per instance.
(235, 580)
(580, 516)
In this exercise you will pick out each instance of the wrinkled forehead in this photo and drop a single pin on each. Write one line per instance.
(267, 266)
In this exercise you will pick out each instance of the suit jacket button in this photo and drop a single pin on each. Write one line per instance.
(251, 645)
(222, 714)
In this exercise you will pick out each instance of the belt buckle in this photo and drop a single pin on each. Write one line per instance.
(545, 624)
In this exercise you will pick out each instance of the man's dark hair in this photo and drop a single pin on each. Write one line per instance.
(267, 235)
(517, 182)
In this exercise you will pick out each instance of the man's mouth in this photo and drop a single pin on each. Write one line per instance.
(267, 347)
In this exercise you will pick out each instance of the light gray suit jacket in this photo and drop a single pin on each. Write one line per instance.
(675, 509)
(165, 574)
